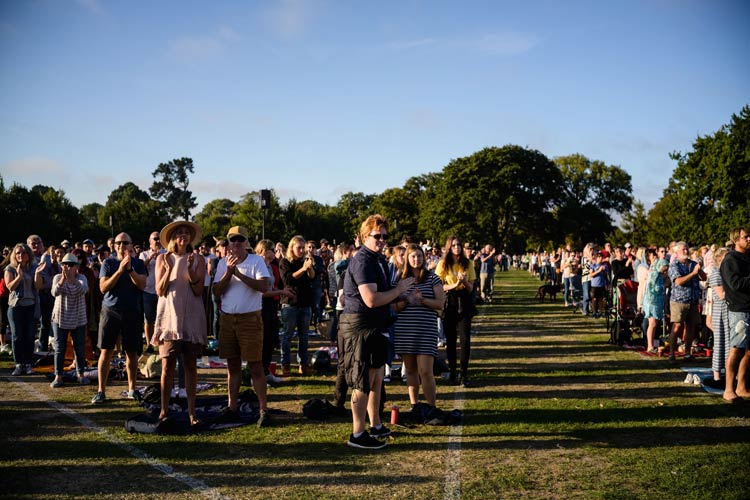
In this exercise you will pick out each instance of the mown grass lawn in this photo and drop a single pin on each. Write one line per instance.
(556, 413)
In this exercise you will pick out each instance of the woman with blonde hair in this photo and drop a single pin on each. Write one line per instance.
(297, 272)
(24, 280)
(180, 329)
(416, 331)
(458, 276)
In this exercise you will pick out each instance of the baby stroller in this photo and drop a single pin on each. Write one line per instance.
(623, 312)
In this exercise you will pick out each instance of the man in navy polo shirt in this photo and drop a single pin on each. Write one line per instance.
(121, 280)
(363, 325)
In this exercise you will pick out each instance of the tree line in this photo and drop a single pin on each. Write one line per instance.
(511, 196)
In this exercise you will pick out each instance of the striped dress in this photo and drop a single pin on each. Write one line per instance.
(719, 323)
(415, 330)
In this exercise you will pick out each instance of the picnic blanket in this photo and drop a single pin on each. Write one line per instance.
(208, 409)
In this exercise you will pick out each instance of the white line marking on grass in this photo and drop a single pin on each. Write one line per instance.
(195, 484)
(453, 458)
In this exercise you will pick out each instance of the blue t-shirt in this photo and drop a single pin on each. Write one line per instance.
(600, 280)
(488, 266)
(365, 267)
(124, 296)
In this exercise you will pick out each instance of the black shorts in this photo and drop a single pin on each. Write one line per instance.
(128, 326)
(598, 292)
(149, 307)
(364, 347)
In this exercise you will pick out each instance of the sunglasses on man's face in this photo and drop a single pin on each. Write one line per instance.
(118, 243)
(238, 239)
(379, 236)
(68, 264)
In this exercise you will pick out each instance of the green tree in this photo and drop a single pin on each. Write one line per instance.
(90, 227)
(247, 213)
(707, 194)
(41, 210)
(592, 191)
(635, 226)
(134, 212)
(401, 210)
(215, 218)
(353, 209)
(497, 195)
(170, 187)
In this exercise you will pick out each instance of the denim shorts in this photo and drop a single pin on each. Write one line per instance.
(739, 331)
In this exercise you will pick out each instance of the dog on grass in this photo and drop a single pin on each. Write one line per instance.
(548, 289)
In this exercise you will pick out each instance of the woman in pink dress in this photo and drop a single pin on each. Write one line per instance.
(180, 327)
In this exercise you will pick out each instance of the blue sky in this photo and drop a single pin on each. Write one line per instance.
(314, 98)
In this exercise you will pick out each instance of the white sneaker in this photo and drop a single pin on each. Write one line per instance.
(18, 371)
(689, 378)
(696, 380)
(273, 379)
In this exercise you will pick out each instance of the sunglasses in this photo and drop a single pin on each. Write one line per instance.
(237, 239)
(122, 243)
(379, 236)
(68, 264)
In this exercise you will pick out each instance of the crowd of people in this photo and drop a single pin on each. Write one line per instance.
(693, 293)
(404, 300)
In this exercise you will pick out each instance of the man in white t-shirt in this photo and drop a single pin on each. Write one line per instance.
(241, 278)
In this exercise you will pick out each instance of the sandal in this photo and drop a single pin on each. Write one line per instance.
(195, 423)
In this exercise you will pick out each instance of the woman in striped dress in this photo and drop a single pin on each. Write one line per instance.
(415, 330)
(719, 316)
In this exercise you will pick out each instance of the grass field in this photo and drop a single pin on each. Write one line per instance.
(556, 413)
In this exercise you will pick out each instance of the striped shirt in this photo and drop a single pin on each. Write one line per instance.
(70, 302)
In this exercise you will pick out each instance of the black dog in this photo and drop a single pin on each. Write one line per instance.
(548, 289)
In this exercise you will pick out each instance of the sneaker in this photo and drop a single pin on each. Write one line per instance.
(134, 395)
(365, 442)
(696, 379)
(56, 383)
(29, 370)
(386, 379)
(688, 379)
(18, 371)
(381, 433)
(273, 379)
(99, 398)
(264, 420)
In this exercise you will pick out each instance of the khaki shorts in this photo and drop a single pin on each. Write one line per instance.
(172, 348)
(241, 336)
(684, 313)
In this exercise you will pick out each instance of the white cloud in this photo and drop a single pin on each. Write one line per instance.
(191, 48)
(92, 5)
(423, 118)
(289, 19)
(499, 44)
(411, 44)
(33, 167)
(227, 33)
(505, 44)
